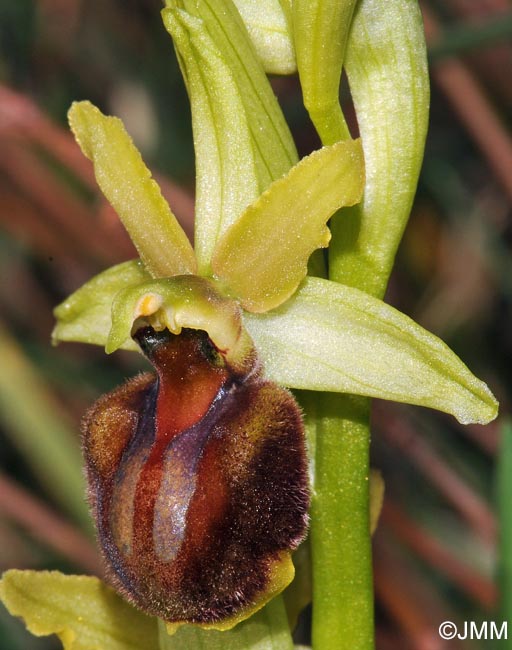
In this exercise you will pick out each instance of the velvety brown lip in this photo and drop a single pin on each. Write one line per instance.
(209, 483)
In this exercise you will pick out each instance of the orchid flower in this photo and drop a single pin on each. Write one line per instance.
(235, 322)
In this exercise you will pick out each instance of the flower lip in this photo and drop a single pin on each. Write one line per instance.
(198, 483)
(150, 341)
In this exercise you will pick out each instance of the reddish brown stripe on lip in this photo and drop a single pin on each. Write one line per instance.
(187, 386)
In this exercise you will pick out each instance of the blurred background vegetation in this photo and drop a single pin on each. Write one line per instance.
(448, 487)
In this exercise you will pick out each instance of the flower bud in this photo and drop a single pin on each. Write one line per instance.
(198, 482)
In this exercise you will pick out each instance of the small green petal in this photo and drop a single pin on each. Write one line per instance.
(330, 337)
(321, 30)
(386, 66)
(263, 257)
(86, 315)
(83, 612)
(181, 302)
(126, 182)
(241, 139)
(268, 24)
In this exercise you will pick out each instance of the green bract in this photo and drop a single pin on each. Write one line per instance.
(81, 610)
(315, 23)
(386, 64)
(266, 630)
(269, 25)
(241, 139)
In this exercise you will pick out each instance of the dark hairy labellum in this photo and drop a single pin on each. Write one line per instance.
(198, 482)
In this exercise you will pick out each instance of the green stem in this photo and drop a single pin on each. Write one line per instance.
(340, 536)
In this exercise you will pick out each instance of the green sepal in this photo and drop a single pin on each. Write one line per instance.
(386, 65)
(86, 315)
(127, 184)
(263, 257)
(81, 610)
(268, 23)
(229, 94)
(321, 29)
(330, 337)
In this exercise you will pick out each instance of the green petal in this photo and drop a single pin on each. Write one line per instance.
(241, 139)
(268, 24)
(86, 316)
(334, 338)
(263, 256)
(266, 630)
(83, 612)
(387, 71)
(321, 30)
(126, 182)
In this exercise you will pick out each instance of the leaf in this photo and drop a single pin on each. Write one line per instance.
(241, 140)
(266, 630)
(387, 70)
(329, 337)
(86, 315)
(263, 257)
(126, 182)
(268, 25)
(504, 494)
(83, 612)
(321, 30)
(35, 422)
